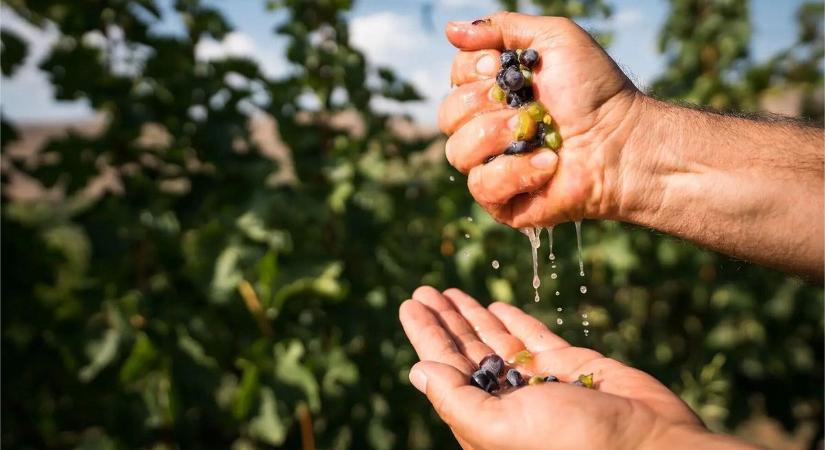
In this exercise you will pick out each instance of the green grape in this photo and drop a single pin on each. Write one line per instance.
(553, 140)
(497, 94)
(526, 127)
(536, 111)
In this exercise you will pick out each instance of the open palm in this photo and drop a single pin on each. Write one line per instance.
(451, 332)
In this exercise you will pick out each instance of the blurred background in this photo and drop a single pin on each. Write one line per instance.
(211, 211)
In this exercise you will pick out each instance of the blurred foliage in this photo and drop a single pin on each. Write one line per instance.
(203, 302)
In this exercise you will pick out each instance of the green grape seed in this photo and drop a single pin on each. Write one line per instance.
(587, 380)
(535, 380)
(522, 357)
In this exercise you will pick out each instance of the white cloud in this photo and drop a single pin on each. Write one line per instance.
(417, 55)
(476, 4)
(27, 96)
(628, 17)
(240, 45)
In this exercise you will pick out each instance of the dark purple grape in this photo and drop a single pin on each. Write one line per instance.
(518, 147)
(492, 363)
(551, 379)
(508, 58)
(526, 94)
(485, 380)
(514, 378)
(513, 79)
(500, 79)
(529, 58)
(578, 383)
(513, 99)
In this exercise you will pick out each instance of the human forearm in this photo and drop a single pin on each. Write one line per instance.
(748, 188)
(682, 437)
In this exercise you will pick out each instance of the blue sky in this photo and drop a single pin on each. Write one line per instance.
(392, 33)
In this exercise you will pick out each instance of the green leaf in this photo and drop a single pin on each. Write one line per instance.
(267, 426)
(102, 352)
(13, 54)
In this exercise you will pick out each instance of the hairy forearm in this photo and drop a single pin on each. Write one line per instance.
(752, 189)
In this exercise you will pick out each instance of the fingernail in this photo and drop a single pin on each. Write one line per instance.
(418, 379)
(543, 160)
(486, 65)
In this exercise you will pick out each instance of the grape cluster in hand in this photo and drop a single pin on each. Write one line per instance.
(514, 86)
(491, 370)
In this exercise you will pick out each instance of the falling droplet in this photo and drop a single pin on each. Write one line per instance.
(553, 266)
(550, 243)
(534, 235)
(559, 309)
(586, 332)
(559, 321)
(469, 219)
(467, 235)
(537, 298)
(583, 289)
(495, 264)
(558, 293)
(553, 275)
(586, 323)
(452, 178)
(579, 244)
(584, 316)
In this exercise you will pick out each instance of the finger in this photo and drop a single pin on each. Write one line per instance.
(496, 182)
(464, 103)
(429, 339)
(458, 328)
(504, 30)
(472, 413)
(474, 66)
(480, 139)
(487, 326)
(528, 329)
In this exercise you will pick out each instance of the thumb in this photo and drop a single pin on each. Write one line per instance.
(468, 410)
(502, 30)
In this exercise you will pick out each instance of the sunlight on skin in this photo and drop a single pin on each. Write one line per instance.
(451, 331)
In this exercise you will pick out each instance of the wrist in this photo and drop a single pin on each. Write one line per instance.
(631, 176)
(677, 437)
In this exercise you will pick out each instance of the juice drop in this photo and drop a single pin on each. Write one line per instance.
(558, 293)
(452, 178)
(537, 298)
(584, 316)
(586, 332)
(559, 309)
(534, 235)
(469, 219)
(579, 244)
(583, 289)
(585, 323)
(467, 235)
(550, 241)
(553, 275)
(559, 321)
(495, 264)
